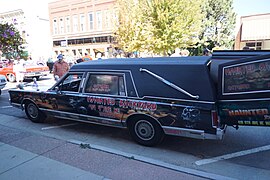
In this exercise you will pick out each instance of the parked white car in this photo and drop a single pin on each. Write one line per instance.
(3, 82)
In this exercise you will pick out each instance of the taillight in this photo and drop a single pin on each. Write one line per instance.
(215, 121)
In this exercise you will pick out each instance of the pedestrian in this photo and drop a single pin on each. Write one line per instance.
(99, 56)
(19, 70)
(50, 64)
(60, 67)
(86, 57)
(184, 53)
(206, 52)
(176, 53)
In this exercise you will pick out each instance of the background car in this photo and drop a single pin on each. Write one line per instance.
(32, 70)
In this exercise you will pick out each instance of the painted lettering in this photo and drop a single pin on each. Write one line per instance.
(247, 112)
(138, 105)
(101, 101)
(92, 106)
(116, 110)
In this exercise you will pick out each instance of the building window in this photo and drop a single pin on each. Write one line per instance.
(254, 45)
(107, 19)
(68, 24)
(99, 20)
(82, 22)
(61, 26)
(91, 21)
(55, 29)
(75, 23)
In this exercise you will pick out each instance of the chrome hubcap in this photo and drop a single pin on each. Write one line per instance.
(32, 111)
(144, 130)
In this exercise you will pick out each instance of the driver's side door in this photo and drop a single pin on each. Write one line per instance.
(65, 96)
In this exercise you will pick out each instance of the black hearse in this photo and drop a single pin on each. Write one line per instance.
(193, 97)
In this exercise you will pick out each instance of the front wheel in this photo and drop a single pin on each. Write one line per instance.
(33, 113)
(146, 131)
(37, 77)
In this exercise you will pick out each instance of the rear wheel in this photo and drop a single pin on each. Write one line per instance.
(11, 78)
(146, 131)
(33, 113)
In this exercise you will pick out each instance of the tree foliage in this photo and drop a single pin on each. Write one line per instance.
(158, 26)
(10, 41)
(219, 24)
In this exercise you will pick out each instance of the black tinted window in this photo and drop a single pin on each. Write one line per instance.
(71, 83)
(106, 84)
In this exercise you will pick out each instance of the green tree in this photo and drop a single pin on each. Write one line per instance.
(158, 26)
(219, 24)
(10, 41)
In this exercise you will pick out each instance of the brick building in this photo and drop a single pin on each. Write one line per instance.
(254, 32)
(79, 26)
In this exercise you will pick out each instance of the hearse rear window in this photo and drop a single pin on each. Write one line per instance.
(106, 84)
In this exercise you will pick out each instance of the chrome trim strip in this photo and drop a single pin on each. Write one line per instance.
(170, 84)
(16, 105)
(134, 86)
(82, 83)
(186, 100)
(108, 70)
(243, 100)
(84, 116)
(106, 73)
(90, 122)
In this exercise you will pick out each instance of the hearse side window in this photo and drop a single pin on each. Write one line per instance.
(71, 83)
(106, 84)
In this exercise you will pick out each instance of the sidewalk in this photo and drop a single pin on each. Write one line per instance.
(27, 156)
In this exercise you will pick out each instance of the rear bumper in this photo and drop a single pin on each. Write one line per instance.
(35, 74)
(193, 133)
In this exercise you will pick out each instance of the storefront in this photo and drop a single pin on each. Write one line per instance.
(254, 32)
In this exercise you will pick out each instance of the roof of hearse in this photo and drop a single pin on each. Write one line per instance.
(194, 60)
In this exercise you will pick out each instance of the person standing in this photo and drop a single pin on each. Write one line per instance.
(206, 52)
(19, 70)
(176, 53)
(50, 64)
(184, 53)
(86, 57)
(60, 67)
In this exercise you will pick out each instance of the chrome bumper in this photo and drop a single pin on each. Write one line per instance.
(193, 133)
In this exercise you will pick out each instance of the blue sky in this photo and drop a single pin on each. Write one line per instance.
(251, 7)
(241, 7)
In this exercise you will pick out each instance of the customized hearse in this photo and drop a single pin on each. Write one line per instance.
(193, 97)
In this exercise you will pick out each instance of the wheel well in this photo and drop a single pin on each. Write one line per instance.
(26, 101)
(140, 116)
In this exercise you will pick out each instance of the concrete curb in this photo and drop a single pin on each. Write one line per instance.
(151, 161)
